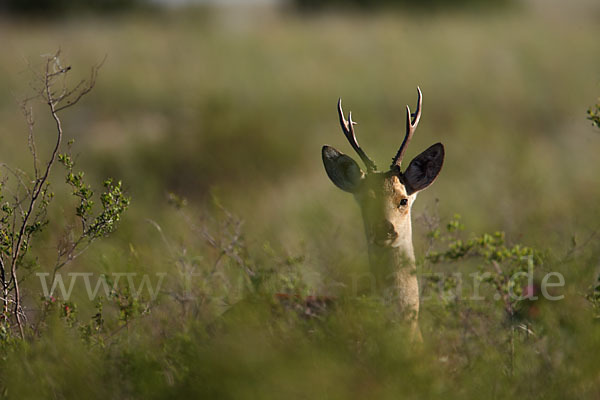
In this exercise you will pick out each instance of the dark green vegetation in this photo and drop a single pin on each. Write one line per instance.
(53, 8)
(594, 114)
(214, 122)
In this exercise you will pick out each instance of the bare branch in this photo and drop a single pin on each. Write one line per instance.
(86, 89)
(17, 173)
(28, 112)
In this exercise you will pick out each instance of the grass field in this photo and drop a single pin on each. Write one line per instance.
(228, 109)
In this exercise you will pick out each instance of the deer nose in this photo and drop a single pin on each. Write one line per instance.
(385, 230)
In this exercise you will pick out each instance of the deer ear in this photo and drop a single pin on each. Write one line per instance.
(424, 168)
(343, 171)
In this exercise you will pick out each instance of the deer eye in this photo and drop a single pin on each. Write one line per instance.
(403, 202)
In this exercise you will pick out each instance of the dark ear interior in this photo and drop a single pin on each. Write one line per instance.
(424, 168)
(343, 171)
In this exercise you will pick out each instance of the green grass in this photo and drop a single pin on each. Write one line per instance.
(235, 107)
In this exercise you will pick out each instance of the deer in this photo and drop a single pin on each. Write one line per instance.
(385, 199)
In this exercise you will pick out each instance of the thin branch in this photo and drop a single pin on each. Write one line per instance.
(60, 71)
(28, 112)
(576, 247)
(90, 85)
(4, 287)
(162, 235)
(66, 93)
(15, 173)
(70, 254)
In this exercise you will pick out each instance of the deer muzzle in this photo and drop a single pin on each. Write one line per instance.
(384, 233)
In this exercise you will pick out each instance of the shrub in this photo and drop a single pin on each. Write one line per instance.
(25, 197)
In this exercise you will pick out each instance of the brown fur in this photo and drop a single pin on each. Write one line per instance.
(386, 219)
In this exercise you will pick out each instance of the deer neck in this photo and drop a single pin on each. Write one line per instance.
(395, 272)
(388, 261)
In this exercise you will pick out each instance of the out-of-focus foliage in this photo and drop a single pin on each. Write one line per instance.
(594, 114)
(217, 331)
(412, 5)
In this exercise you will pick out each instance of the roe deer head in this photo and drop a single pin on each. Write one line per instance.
(385, 199)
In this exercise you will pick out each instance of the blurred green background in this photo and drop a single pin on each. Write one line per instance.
(233, 102)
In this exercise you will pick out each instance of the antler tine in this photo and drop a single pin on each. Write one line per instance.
(412, 121)
(348, 129)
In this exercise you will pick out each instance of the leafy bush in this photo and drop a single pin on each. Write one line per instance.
(26, 198)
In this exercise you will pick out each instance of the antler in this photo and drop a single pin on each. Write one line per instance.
(411, 126)
(348, 129)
